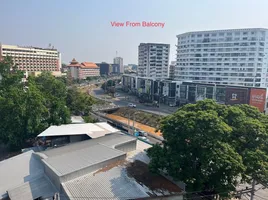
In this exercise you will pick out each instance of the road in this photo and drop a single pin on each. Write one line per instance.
(124, 99)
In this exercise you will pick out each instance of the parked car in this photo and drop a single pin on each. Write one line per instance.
(143, 133)
(144, 138)
(172, 104)
(131, 105)
(116, 95)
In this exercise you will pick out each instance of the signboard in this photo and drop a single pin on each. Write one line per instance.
(236, 96)
(257, 98)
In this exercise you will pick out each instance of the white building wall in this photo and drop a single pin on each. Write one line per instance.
(33, 59)
(119, 60)
(74, 72)
(153, 60)
(238, 57)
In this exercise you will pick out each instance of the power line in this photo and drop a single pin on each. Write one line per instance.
(261, 197)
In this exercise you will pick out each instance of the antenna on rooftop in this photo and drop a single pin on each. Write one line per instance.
(116, 54)
(49, 45)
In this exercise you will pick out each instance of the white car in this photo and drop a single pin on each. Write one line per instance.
(131, 105)
(144, 138)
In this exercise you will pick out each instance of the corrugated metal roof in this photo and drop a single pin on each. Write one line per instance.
(82, 158)
(112, 184)
(115, 140)
(110, 140)
(40, 187)
(18, 170)
(90, 129)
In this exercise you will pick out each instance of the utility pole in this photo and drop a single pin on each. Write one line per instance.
(105, 87)
(134, 120)
(253, 189)
(128, 123)
(159, 97)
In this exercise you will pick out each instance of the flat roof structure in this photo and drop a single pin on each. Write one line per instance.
(93, 130)
(77, 120)
(110, 140)
(40, 187)
(79, 159)
(111, 166)
(18, 170)
(113, 184)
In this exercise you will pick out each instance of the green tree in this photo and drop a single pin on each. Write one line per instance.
(26, 109)
(79, 103)
(55, 94)
(22, 110)
(22, 115)
(212, 147)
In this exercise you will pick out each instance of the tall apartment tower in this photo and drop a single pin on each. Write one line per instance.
(153, 60)
(236, 57)
(32, 59)
(119, 61)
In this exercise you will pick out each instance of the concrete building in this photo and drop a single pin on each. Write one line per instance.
(95, 169)
(69, 133)
(83, 70)
(115, 68)
(33, 59)
(105, 68)
(153, 60)
(183, 92)
(119, 60)
(230, 57)
(172, 70)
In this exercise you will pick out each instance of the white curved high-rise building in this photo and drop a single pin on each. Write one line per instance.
(235, 56)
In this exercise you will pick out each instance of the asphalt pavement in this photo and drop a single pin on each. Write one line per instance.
(124, 99)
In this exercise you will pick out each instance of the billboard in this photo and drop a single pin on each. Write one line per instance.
(236, 96)
(257, 98)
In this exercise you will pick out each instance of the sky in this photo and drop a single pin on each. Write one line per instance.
(82, 29)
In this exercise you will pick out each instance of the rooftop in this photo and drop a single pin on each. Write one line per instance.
(89, 65)
(93, 130)
(122, 180)
(110, 140)
(77, 120)
(40, 187)
(162, 44)
(82, 158)
(84, 65)
(26, 47)
(113, 166)
(224, 30)
(74, 63)
(18, 170)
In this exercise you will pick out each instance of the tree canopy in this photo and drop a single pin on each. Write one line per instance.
(28, 108)
(79, 103)
(213, 147)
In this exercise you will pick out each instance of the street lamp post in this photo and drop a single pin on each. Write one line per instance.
(128, 123)
(134, 121)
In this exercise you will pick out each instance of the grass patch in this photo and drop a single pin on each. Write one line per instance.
(142, 117)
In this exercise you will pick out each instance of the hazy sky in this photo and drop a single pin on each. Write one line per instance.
(82, 29)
